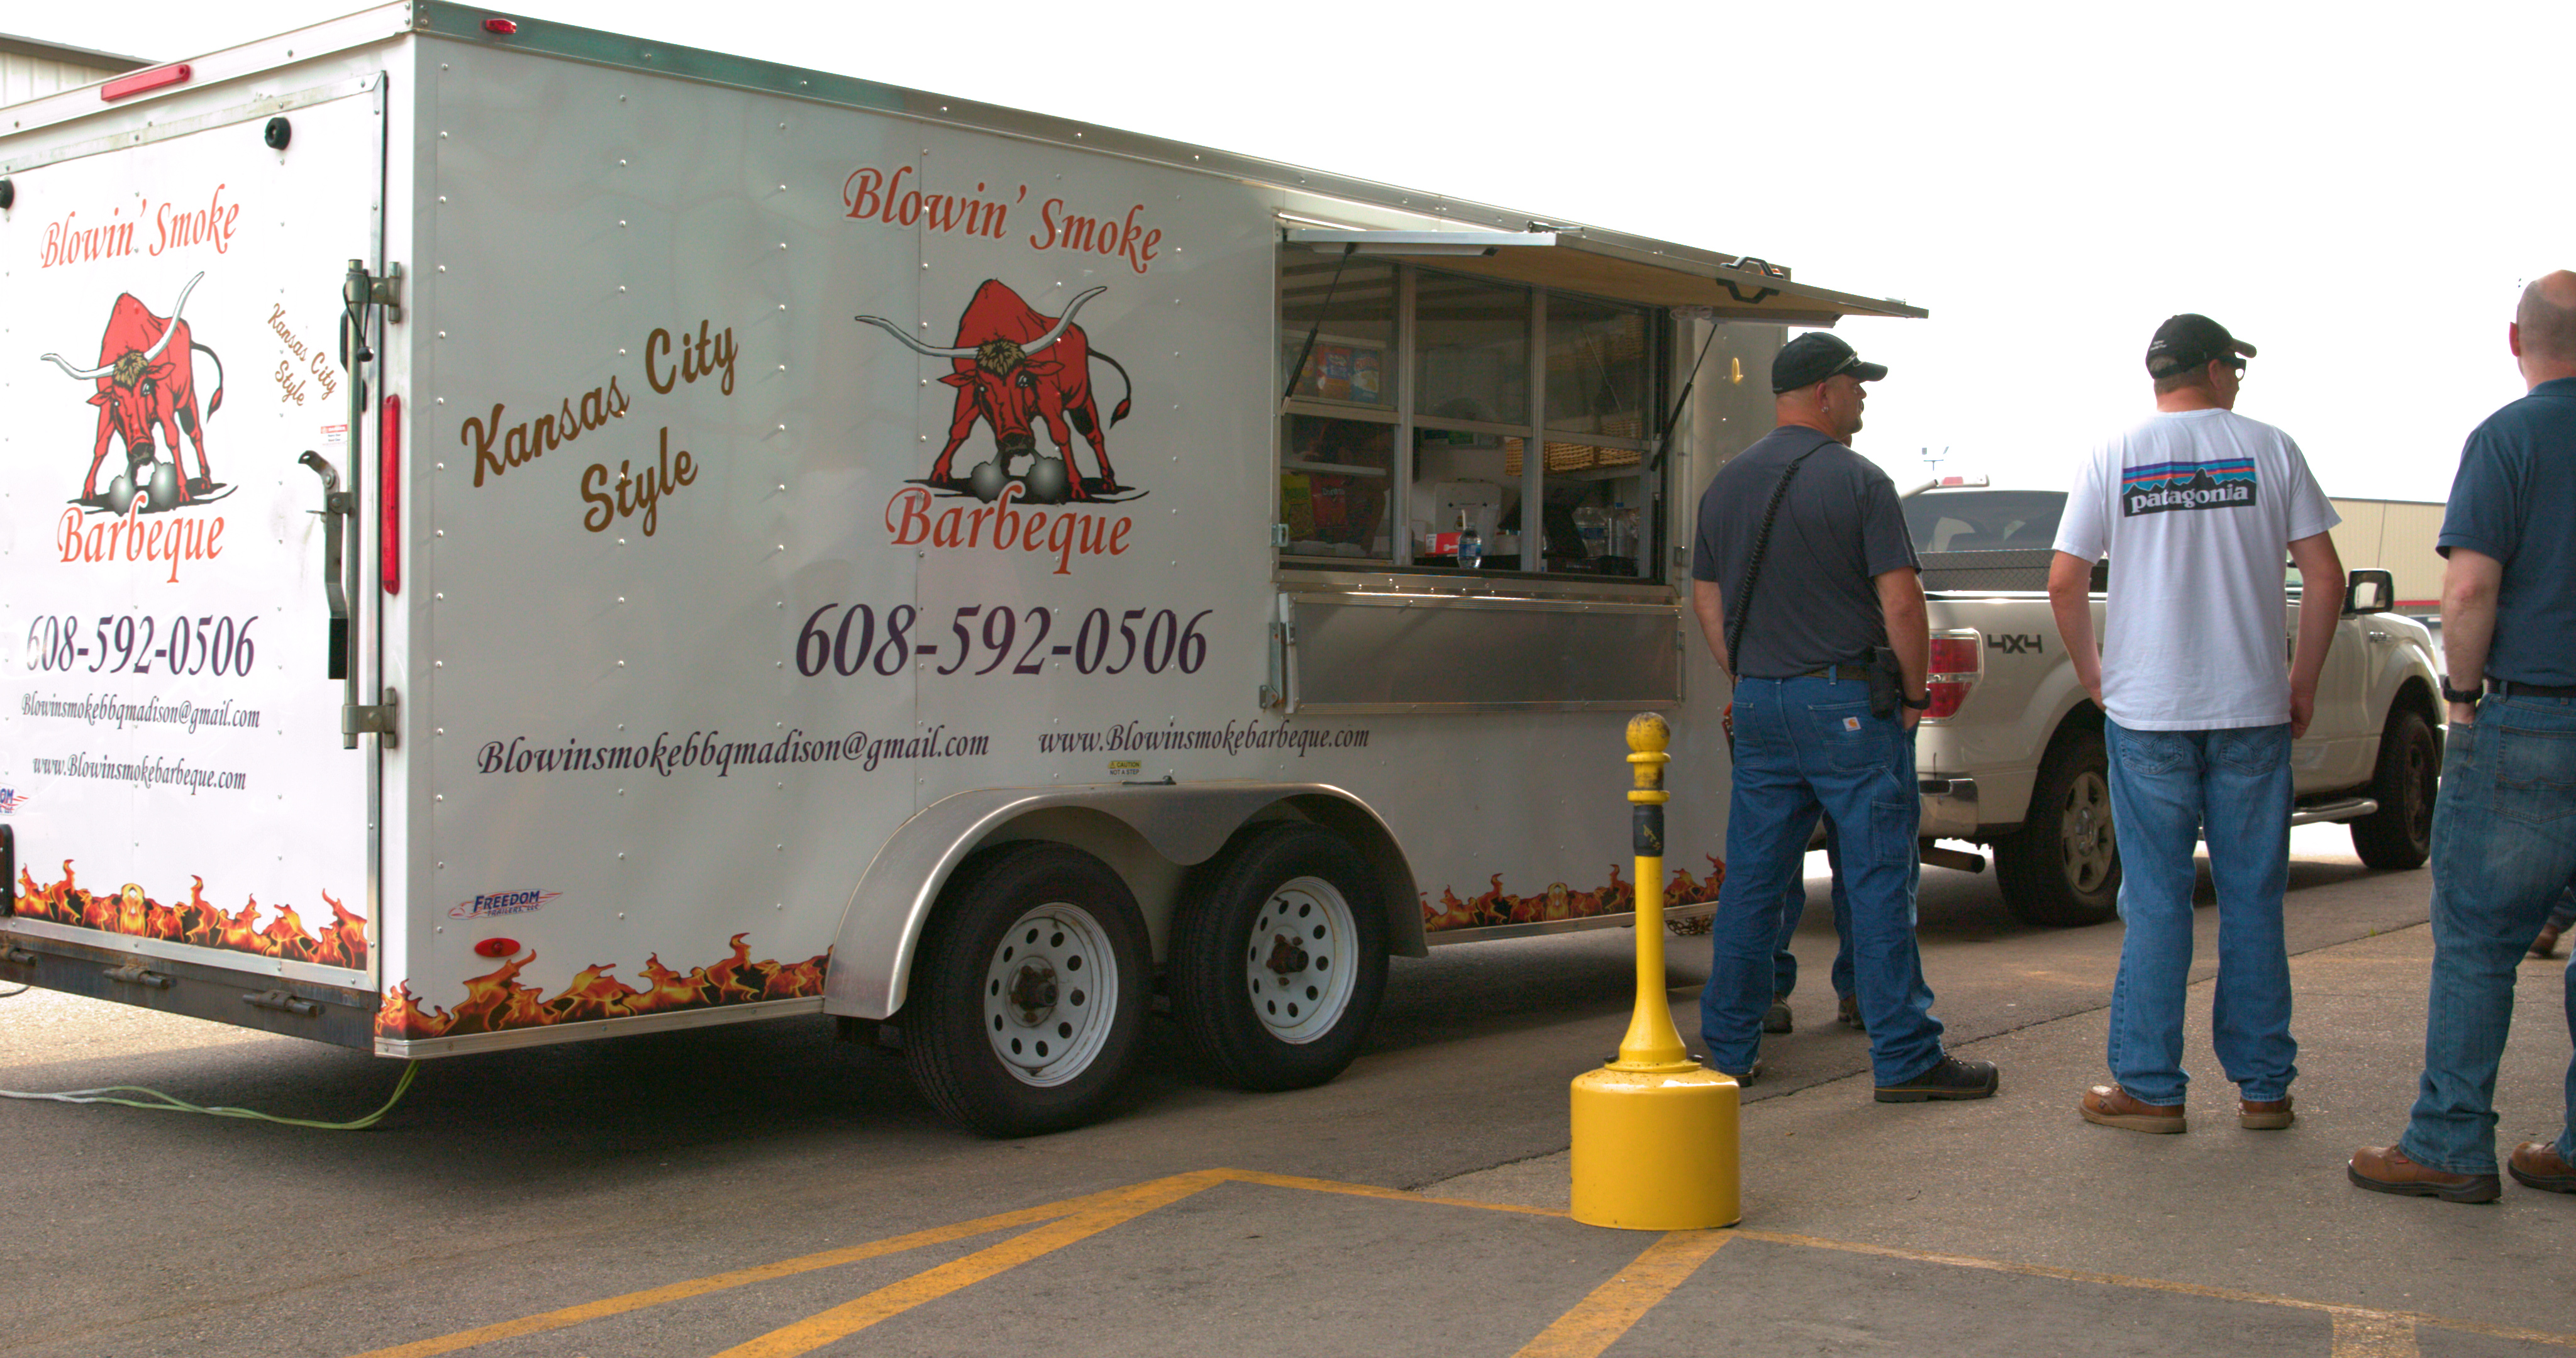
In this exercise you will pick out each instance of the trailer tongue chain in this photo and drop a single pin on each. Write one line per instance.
(167, 1104)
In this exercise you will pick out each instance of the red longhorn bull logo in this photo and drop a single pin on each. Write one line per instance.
(147, 400)
(1014, 368)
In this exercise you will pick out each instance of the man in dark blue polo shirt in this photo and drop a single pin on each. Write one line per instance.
(1803, 553)
(2504, 832)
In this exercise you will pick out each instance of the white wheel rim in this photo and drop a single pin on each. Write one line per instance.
(1301, 960)
(1050, 994)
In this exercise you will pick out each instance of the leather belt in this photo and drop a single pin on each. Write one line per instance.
(1860, 674)
(2509, 688)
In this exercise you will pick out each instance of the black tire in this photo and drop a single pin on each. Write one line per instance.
(1278, 957)
(1029, 992)
(2399, 835)
(2062, 868)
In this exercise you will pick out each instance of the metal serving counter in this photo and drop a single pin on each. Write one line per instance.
(1442, 643)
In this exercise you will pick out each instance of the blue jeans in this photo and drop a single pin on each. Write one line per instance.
(2166, 786)
(2504, 846)
(1804, 745)
(1793, 908)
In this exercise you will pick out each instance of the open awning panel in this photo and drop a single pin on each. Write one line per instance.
(1730, 287)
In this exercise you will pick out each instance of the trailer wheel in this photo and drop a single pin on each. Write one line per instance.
(1029, 992)
(2062, 867)
(1279, 959)
(2399, 835)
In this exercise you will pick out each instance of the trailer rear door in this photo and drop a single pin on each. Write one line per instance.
(189, 832)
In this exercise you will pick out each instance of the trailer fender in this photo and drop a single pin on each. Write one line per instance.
(1184, 825)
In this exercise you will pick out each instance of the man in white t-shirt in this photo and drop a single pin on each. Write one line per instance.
(2194, 506)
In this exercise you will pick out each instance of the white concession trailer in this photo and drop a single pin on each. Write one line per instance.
(518, 534)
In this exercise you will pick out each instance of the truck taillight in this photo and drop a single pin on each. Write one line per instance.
(1957, 659)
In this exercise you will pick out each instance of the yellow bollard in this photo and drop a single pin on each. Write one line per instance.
(1654, 1130)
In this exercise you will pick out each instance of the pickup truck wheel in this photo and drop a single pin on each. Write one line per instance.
(1278, 962)
(2062, 867)
(2399, 835)
(1029, 992)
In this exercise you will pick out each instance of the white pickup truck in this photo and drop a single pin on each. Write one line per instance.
(2011, 753)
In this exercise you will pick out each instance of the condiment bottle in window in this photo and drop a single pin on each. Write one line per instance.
(1592, 529)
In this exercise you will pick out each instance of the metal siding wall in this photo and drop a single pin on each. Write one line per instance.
(24, 78)
(2396, 536)
(2406, 546)
(2356, 539)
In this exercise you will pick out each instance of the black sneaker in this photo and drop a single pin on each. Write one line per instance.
(1776, 1019)
(1948, 1078)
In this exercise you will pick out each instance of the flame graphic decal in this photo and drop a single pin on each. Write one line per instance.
(130, 910)
(1497, 906)
(496, 1001)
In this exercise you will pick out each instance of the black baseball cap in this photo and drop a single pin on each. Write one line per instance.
(2189, 340)
(1815, 356)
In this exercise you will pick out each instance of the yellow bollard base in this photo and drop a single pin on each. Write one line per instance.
(1655, 1149)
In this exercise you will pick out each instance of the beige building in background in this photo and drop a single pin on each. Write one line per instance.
(30, 69)
(2396, 536)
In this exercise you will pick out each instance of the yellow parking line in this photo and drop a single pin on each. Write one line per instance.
(1598, 1320)
(2409, 1319)
(894, 1299)
(2373, 1336)
(784, 1268)
(1254, 1176)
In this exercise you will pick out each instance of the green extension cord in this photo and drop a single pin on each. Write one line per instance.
(167, 1104)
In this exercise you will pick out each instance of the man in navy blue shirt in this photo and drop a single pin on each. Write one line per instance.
(1817, 527)
(2504, 832)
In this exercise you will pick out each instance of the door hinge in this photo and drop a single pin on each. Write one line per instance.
(135, 973)
(280, 1002)
(384, 290)
(357, 720)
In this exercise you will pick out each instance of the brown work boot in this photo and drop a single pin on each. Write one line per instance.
(2264, 1115)
(2112, 1106)
(1776, 1019)
(2537, 1164)
(2385, 1169)
(2547, 944)
(1847, 1013)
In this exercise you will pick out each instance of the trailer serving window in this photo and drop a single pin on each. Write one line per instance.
(1475, 512)
(1414, 396)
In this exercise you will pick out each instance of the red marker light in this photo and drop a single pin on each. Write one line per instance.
(504, 27)
(140, 81)
(498, 947)
(389, 501)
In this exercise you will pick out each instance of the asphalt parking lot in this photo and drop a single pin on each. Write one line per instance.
(763, 1190)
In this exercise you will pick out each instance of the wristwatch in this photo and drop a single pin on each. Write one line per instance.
(1923, 703)
(2469, 696)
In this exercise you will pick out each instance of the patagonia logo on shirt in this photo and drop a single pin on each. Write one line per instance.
(2220, 484)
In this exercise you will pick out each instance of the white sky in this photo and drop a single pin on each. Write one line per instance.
(2359, 190)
